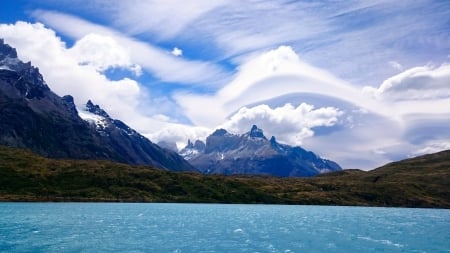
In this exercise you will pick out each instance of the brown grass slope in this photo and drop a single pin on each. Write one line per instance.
(418, 182)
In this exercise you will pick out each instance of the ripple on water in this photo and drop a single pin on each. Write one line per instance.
(83, 227)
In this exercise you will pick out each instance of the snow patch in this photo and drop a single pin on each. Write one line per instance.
(10, 63)
(95, 119)
(189, 153)
(5, 67)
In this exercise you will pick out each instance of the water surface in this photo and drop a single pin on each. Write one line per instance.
(119, 227)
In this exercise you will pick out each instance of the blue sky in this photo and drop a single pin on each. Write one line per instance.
(359, 82)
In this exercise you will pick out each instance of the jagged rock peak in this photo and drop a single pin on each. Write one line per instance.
(95, 109)
(70, 103)
(256, 132)
(219, 132)
(6, 50)
(199, 145)
(68, 99)
(189, 144)
(273, 140)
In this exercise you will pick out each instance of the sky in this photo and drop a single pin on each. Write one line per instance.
(362, 83)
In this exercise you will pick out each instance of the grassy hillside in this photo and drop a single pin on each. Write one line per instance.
(417, 182)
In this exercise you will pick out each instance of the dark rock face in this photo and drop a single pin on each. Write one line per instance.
(253, 153)
(33, 117)
(199, 145)
(6, 51)
(95, 109)
(255, 132)
(70, 104)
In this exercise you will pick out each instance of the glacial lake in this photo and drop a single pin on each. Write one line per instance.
(124, 227)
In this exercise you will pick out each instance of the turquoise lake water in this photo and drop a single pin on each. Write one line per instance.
(120, 227)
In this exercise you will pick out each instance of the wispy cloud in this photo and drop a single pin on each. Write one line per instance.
(164, 19)
(352, 39)
(159, 62)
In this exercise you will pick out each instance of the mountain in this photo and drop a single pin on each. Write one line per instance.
(129, 143)
(419, 182)
(253, 153)
(33, 117)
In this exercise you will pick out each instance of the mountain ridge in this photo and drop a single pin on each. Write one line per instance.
(253, 153)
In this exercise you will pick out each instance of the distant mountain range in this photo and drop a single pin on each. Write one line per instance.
(33, 117)
(253, 153)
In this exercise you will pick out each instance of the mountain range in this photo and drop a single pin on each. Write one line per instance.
(33, 117)
(253, 153)
(97, 159)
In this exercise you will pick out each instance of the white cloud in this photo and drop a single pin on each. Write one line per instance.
(431, 147)
(102, 52)
(288, 123)
(164, 66)
(274, 73)
(177, 52)
(419, 83)
(179, 134)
